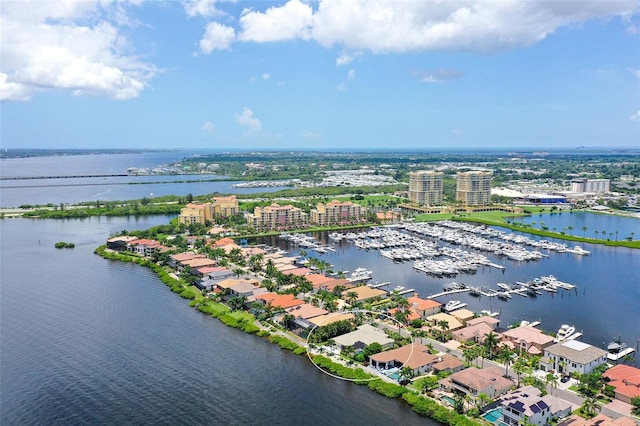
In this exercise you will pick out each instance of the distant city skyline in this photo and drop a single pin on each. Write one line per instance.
(326, 74)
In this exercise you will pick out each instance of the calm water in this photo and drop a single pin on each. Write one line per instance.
(585, 224)
(88, 341)
(605, 305)
(14, 193)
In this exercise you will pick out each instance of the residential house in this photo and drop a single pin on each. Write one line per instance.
(473, 333)
(626, 380)
(474, 381)
(447, 363)
(327, 319)
(425, 307)
(599, 420)
(364, 293)
(572, 356)
(528, 339)
(528, 406)
(462, 315)
(453, 322)
(414, 356)
(146, 247)
(283, 301)
(120, 243)
(363, 336)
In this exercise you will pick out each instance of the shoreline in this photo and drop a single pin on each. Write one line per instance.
(424, 406)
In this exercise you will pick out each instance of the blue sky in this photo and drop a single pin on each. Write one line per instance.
(320, 74)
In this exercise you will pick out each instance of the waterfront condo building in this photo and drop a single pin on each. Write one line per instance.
(473, 188)
(338, 213)
(203, 212)
(426, 188)
(276, 216)
(225, 206)
(195, 213)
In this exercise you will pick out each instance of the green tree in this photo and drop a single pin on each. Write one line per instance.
(635, 405)
(237, 302)
(590, 406)
(551, 381)
(491, 341)
(444, 327)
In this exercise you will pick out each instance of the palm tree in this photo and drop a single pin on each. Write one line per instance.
(351, 297)
(552, 381)
(519, 367)
(584, 230)
(237, 302)
(590, 406)
(491, 341)
(505, 357)
(469, 355)
(238, 271)
(444, 326)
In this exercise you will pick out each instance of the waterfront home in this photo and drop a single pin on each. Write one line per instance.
(414, 356)
(212, 272)
(146, 247)
(447, 363)
(120, 243)
(599, 420)
(224, 286)
(453, 322)
(425, 307)
(572, 356)
(283, 301)
(527, 339)
(626, 381)
(327, 319)
(474, 381)
(363, 336)
(462, 315)
(472, 333)
(490, 321)
(198, 263)
(176, 260)
(527, 405)
(303, 313)
(364, 292)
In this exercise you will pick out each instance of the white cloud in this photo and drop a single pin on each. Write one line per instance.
(208, 127)
(290, 21)
(207, 8)
(343, 59)
(342, 87)
(217, 37)
(51, 46)
(398, 26)
(351, 74)
(635, 116)
(266, 76)
(439, 75)
(246, 119)
(635, 72)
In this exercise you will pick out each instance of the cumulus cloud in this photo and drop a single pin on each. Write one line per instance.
(635, 116)
(51, 46)
(246, 119)
(395, 26)
(351, 74)
(290, 21)
(208, 127)
(217, 37)
(439, 75)
(266, 76)
(635, 72)
(207, 8)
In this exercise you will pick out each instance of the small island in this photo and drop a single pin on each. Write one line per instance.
(64, 244)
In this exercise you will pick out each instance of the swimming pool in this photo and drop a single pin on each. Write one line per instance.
(493, 415)
(448, 399)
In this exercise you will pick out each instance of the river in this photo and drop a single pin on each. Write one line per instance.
(88, 341)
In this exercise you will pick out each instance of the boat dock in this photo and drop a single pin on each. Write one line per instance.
(444, 293)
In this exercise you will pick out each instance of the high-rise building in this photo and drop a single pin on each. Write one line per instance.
(473, 188)
(225, 206)
(276, 216)
(337, 213)
(196, 213)
(426, 188)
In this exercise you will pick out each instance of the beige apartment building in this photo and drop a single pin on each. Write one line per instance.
(276, 216)
(338, 213)
(203, 212)
(426, 188)
(473, 188)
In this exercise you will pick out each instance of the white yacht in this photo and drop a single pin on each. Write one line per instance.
(453, 305)
(564, 332)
